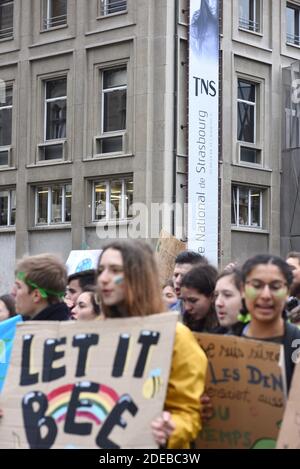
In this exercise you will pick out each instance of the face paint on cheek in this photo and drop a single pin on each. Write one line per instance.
(250, 293)
(119, 280)
(281, 294)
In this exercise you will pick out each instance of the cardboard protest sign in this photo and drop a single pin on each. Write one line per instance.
(87, 384)
(7, 334)
(245, 385)
(82, 260)
(167, 249)
(289, 436)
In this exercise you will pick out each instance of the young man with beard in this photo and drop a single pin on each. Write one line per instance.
(184, 262)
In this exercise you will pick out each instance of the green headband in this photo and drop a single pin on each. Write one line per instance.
(43, 291)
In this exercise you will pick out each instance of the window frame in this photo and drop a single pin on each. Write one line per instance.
(250, 189)
(104, 6)
(10, 190)
(10, 33)
(105, 91)
(50, 100)
(8, 147)
(296, 33)
(249, 103)
(257, 122)
(252, 24)
(61, 141)
(103, 136)
(108, 182)
(47, 20)
(49, 204)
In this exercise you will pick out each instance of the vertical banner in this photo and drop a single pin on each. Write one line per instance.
(203, 128)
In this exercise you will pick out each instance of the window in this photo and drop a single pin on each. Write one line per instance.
(114, 101)
(291, 138)
(108, 7)
(7, 207)
(6, 101)
(292, 24)
(112, 200)
(53, 204)
(247, 120)
(249, 15)
(55, 120)
(246, 207)
(114, 94)
(54, 13)
(56, 109)
(6, 19)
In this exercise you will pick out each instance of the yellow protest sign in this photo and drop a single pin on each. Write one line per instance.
(245, 385)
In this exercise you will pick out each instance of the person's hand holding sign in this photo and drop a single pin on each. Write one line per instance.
(162, 428)
(207, 410)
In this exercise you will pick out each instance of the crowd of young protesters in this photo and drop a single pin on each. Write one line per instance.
(252, 301)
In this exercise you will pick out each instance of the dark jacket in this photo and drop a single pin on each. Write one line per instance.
(235, 329)
(54, 312)
(291, 333)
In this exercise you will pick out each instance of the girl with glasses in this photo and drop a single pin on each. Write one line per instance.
(267, 280)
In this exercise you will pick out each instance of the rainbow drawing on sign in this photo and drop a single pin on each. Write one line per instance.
(94, 406)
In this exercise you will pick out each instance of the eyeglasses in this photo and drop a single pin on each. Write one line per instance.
(274, 287)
